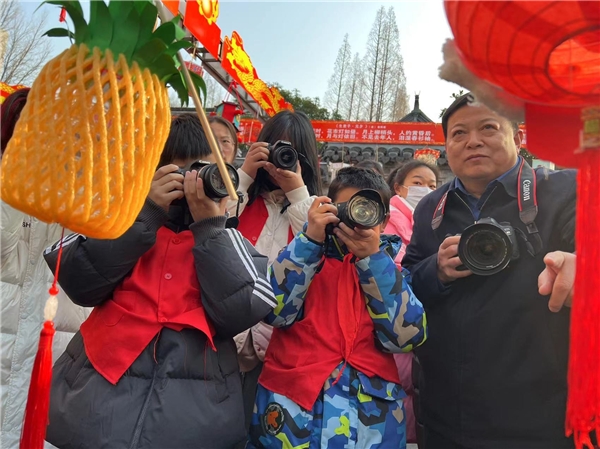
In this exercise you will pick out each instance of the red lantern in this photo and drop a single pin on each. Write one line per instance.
(231, 112)
(540, 60)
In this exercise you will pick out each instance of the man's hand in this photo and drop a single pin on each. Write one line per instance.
(360, 242)
(166, 186)
(200, 205)
(287, 180)
(448, 261)
(557, 279)
(320, 214)
(257, 157)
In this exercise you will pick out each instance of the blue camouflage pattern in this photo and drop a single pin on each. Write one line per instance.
(357, 411)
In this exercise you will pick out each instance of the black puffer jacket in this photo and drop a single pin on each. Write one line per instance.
(178, 393)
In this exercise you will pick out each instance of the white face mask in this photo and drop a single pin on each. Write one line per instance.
(416, 194)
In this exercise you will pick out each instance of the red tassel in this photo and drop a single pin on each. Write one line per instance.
(583, 405)
(63, 15)
(38, 400)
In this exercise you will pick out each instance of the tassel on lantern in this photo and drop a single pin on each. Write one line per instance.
(33, 432)
(583, 404)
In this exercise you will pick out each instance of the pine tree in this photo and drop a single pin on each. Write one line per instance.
(339, 79)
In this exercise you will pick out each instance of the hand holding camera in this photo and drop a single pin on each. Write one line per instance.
(257, 157)
(321, 214)
(285, 179)
(448, 261)
(167, 186)
(201, 206)
(360, 242)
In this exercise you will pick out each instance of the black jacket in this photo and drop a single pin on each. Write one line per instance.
(494, 367)
(178, 393)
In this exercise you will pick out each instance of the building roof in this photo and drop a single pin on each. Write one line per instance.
(416, 115)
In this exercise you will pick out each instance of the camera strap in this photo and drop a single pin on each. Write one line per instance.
(528, 208)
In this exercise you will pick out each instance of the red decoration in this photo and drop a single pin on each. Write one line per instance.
(204, 28)
(542, 58)
(63, 15)
(33, 433)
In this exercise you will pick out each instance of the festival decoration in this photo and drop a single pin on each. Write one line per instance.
(201, 20)
(6, 90)
(427, 155)
(102, 111)
(237, 63)
(540, 61)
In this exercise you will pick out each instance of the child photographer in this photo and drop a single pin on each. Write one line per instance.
(155, 364)
(274, 208)
(329, 378)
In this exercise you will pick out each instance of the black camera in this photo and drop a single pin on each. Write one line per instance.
(365, 209)
(214, 187)
(283, 155)
(487, 247)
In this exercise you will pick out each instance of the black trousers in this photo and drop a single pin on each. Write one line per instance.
(249, 385)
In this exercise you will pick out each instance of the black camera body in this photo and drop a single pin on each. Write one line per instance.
(365, 209)
(214, 187)
(487, 247)
(283, 155)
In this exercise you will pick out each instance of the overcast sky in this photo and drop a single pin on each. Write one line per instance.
(295, 43)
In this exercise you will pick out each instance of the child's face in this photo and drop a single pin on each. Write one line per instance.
(344, 196)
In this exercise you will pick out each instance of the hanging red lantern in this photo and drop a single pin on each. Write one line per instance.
(539, 61)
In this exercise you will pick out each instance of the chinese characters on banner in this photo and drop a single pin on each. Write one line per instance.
(390, 133)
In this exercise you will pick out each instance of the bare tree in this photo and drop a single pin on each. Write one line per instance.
(373, 62)
(339, 79)
(353, 98)
(214, 92)
(386, 82)
(26, 49)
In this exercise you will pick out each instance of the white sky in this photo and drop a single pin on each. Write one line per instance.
(295, 43)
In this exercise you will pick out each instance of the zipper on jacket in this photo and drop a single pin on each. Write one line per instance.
(140, 422)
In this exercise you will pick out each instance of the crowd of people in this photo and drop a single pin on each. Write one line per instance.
(280, 321)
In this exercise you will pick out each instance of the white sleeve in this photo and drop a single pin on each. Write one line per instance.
(300, 202)
(245, 183)
(11, 226)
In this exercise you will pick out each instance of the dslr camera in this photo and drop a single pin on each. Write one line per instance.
(487, 247)
(365, 209)
(283, 155)
(214, 187)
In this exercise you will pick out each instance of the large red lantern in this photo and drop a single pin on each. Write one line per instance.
(540, 61)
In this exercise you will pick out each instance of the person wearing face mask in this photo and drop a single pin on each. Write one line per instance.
(411, 182)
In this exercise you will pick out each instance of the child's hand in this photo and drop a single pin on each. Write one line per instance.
(287, 180)
(320, 214)
(200, 205)
(257, 157)
(166, 186)
(360, 242)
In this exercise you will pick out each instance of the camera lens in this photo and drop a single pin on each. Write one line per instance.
(214, 187)
(364, 212)
(285, 157)
(485, 249)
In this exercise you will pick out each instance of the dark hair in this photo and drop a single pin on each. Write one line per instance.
(460, 102)
(10, 112)
(227, 124)
(359, 178)
(371, 165)
(398, 176)
(295, 127)
(186, 140)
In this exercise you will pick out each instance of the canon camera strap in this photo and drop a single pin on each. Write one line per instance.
(528, 208)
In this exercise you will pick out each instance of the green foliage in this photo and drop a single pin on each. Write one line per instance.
(126, 27)
(310, 106)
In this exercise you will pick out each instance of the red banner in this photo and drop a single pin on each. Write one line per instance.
(200, 18)
(390, 133)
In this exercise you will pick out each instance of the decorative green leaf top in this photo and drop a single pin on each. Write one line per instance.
(127, 27)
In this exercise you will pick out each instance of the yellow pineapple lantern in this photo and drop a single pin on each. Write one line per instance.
(89, 139)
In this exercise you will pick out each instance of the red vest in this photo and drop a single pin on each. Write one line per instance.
(253, 219)
(162, 291)
(336, 328)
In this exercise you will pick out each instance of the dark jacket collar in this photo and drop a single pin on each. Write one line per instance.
(507, 179)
